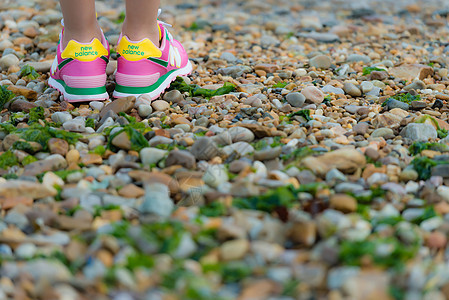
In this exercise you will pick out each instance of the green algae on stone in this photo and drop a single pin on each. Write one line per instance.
(195, 90)
(281, 197)
(417, 147)
(29, 72)
(8, 159)
(369, 70)
(5, 96)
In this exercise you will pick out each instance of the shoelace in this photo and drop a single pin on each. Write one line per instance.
(159, 11)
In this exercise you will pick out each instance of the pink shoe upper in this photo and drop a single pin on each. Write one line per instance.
(81, 65)
(154, 62)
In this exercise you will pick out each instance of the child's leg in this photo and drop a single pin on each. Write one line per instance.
(141, 20)
(80, 21)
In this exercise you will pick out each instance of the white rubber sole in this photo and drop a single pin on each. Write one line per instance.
(164, 85)
(76, 98)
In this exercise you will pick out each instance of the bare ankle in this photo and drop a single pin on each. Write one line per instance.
(84, 36)
(137, 33)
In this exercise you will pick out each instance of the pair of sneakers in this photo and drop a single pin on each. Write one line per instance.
(143, 68)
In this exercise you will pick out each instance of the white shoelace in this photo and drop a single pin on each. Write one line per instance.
(159, 11)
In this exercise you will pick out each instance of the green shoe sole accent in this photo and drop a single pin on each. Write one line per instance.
(142, 90)
(82, 91)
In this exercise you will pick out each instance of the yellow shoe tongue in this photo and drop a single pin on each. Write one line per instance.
(137, 51)
(83, 52)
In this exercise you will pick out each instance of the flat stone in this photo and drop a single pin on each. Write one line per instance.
(321, 62)
(119, 105)
(410, 72)
(181, 157)
(345, 160)
(419, 132)
(313, 94)
(204, 149)
(21, 188)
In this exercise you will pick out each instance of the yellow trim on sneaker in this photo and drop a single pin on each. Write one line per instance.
(85, 53)
(137, 51)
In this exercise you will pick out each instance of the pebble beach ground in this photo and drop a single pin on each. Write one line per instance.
(306, 157)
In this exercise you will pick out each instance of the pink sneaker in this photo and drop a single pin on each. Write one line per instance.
(145, 69)
(79, 70)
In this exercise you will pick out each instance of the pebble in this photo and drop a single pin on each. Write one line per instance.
(145, 110)
(419, 132)
(173, 96)
(238, 180)
(321, 62)
(352, 90)
(149, 156)
(241, 134)
(295, 99)
(157, 200)
(160, 105)
(313, 94)
(8, 60)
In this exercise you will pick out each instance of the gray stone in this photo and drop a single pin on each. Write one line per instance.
(419, 132)
(329, 89)
(366, 86)
(360, 128)
(241, 134)
(229, 57)
(241, 148)
(352, 90)
(157, 200)
(358, 57)
(204, 148)
(149, 156)
(295, 99)
(174, 96)
(393, 103)
(415, 85)
(267, 154)
(235, 71)
(441, 170)
(144, 110)
(181, 157)
(338, 276)
(383, 132)
(76, 125)
(321, 62)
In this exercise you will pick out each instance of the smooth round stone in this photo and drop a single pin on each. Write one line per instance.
(321, 62)
(183, 127)
(149, 156)
(296, 99)
(174, 96)
(96, 105)
(329, 89)
(352, 90)
(144, 110)
(358, 57)
(313, 94)
(160, 105)
(416, 85)
(393, 103)
(75, 125)
(241, 134)
(25, 251)
(382, 132)
(61, 117)
(8, 60)
(228, 56)
(366, 86)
